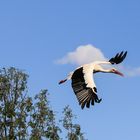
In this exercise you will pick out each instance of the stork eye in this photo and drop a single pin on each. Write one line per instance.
(113, 70)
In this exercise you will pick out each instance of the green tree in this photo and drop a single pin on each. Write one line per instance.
(14, 104)
(26, 118)
(73, 130)
(42, 119)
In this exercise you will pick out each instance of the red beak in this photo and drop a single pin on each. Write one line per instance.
(119, 73)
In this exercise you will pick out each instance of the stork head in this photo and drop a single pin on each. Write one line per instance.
(115, 71)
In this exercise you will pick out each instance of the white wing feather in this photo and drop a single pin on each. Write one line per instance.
(88, 75)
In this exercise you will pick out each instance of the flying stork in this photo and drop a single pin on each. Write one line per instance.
(83, 83)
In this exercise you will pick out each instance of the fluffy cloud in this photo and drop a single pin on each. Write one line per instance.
(83, 54)
(89, 53)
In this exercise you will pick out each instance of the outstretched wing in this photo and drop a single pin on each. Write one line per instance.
(118, 58)
(81, 85)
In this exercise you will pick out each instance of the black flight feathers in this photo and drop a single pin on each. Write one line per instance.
(118, 58)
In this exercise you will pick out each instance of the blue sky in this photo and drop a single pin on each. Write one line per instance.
(34, 34)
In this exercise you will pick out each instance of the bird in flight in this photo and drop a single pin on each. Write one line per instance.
(83, 83)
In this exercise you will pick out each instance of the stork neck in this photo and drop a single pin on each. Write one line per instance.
(105, 71)
(99, 68)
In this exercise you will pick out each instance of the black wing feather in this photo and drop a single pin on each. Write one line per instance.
(119, 57)
(84, 94)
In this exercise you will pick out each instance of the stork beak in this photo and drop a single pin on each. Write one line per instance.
(119, 73)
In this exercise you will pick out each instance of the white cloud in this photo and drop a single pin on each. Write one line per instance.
(83, 54)
(89, 53)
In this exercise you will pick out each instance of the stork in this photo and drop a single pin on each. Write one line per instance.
(83, 83)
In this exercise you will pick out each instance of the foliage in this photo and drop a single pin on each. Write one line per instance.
(23, 117)
(14, 104)
(74, 130)
(42, 120)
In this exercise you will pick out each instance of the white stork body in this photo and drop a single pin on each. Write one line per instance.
(83, 82)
